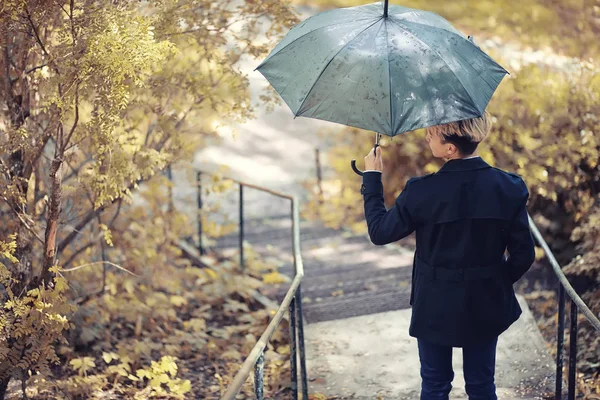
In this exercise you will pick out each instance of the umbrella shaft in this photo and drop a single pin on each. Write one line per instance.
(385, 9)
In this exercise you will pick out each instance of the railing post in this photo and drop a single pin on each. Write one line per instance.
(199, 197)
(242, 266)
(104, 259)
(293, 363)
(573, 352)
(170, 188)
(319, 174)
(259, 377)
(294, 228)
(300, 322)
(560, 341)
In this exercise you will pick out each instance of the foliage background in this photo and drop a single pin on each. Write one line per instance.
(98, 97)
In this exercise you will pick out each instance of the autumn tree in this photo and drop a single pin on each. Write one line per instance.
(97, 98)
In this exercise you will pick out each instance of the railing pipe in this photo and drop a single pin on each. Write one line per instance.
(298, 265)
(576, 304)
(563, 279)
(293, 359)
(560, 341)
(573, 352)
(301, 349)
(259, 377)
(242, 266)
(299, 269)
(261, 344)
(199, 199)
(291, 301)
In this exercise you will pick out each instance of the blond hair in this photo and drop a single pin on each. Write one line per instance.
(474, 129)
(465, 134)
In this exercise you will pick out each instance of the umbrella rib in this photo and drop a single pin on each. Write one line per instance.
(441, 58)
(387, 44)
(355, 89)
(327, 65)
(305, 34)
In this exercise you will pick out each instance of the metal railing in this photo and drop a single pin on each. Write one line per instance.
(576, 305)
(292, 303)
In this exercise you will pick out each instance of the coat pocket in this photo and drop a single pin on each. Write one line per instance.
(491, 303)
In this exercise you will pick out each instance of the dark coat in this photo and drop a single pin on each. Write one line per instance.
(465, 216)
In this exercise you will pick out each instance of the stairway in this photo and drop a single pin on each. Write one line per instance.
(345, 275)
(356, 305)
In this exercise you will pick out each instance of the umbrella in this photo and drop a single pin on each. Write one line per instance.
(387, 69)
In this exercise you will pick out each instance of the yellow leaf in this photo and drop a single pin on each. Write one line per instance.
(76, 363)
(163, 378)
(142, 373)
(182, 388)
(211, 273)
(168, 365)
(83, 365)
(275, 277)
(108, 357)
(178, 301)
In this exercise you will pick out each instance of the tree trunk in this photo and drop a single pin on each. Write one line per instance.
(54, 210)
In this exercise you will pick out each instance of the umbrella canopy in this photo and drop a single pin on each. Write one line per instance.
(388, 71)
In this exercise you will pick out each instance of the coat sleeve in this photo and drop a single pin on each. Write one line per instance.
(520, 246)
(385, 226)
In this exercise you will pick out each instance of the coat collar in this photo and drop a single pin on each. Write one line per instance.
(464, 165)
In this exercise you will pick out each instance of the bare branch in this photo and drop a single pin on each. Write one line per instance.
(30, 70)
(117, 213)
(94, 213)
(29, 228)
(100, 263)
(66, 142)
(75, 171)
(78, 252)
(151, 128)
(24, 222)
(40, 150)
(35, 33)
(88, 218)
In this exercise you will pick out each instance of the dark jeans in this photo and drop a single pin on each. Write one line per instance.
(479, 363)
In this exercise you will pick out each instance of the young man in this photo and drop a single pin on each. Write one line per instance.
(465, 216)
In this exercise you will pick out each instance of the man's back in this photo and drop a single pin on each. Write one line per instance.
(466, 209)
(465, 216)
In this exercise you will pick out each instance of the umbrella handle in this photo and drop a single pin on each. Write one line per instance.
(353, 163)
(356, 170)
